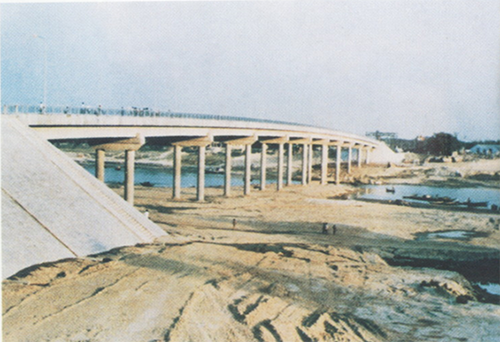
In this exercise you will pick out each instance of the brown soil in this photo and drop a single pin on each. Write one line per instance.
(274, 277)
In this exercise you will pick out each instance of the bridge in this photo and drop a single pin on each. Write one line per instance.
(129, 129)
(53, 209)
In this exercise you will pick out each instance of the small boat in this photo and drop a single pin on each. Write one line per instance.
(214, 170)
(432, 199)
(444, 199)
(390, 190)
(445, 202)
(148, 184)
(417, 197)
(471, 204)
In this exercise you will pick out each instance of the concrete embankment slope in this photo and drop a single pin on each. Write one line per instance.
(53, 209)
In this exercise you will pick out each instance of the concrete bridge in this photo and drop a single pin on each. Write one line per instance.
(128, 130)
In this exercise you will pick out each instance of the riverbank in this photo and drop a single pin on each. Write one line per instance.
(475, 173)
(472, 173)
(273, 276)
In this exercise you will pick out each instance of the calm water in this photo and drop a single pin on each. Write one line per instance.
(460, 194)
(492, 288)
(163, 177)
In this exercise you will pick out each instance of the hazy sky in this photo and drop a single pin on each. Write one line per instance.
(410, 67)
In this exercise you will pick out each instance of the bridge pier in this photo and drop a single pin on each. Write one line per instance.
(129, 146)
(349, 159)
(289, 164)
(358, 160)
(324, 163)
(338, 160)
(281, 143)
(310, 163)
(227, 171)
(100, 156)
(247, 142)
(177, 172)
(200, 189)
(263, 166)
(248, 169)
(201, 143)
(280, 167)
(129, 176)
(305, 149)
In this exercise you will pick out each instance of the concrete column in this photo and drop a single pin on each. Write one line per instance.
(338, 160)
(324, 164)
(359, 157)
(280, 166)
(227, 172)
(310, 164)
(129, 176)
(100, 156)
(263, 167)
(177, 172)
(349, 160)
(289, 165)
(304, 164)
(200, 190)
(367, 156)
(248, 169)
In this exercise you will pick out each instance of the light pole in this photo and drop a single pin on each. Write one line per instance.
(44, 67)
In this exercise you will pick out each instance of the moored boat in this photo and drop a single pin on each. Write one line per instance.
(433, 199)
(471, 204)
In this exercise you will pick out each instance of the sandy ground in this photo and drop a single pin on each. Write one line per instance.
(272, 277)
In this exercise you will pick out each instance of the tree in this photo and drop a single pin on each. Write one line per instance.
(443, 144)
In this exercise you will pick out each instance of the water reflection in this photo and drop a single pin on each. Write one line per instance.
(450, 234)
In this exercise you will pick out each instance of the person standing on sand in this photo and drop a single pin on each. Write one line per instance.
(334, 229)
(234, 223)
(324, 230)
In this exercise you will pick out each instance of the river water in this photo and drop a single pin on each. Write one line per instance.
(379, 192)
(163, 177)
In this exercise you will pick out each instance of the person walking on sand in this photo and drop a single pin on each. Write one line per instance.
(324, 230)
(234, 223)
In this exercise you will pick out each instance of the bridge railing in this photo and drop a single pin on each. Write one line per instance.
(135, 112)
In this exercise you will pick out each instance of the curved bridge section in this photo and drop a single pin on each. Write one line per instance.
(128, 130)
(74, 123)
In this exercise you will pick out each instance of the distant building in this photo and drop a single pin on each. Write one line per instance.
(486, 149)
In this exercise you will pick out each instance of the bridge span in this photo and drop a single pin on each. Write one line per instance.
(128, 130)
